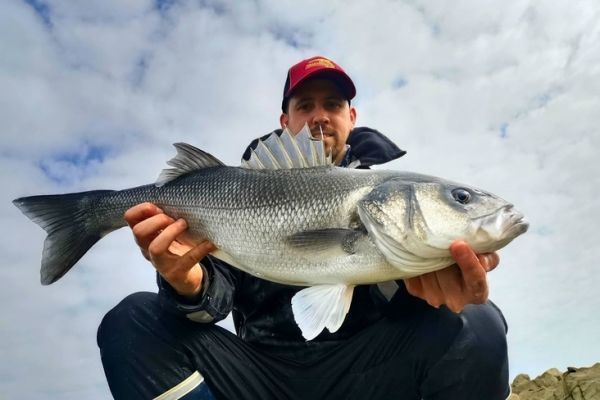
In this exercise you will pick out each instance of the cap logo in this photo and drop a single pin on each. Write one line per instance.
(322, 62)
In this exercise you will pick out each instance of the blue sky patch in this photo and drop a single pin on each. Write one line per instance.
(164, 5)
(504, 130)
(399, 83)
(543, 99)
(292, 37)
(69, 167)
(42, 10)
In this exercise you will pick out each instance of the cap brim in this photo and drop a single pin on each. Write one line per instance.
(341, 79)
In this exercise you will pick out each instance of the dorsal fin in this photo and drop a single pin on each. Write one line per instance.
(187, 159)
(288, 151)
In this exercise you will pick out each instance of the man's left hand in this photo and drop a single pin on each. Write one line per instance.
(457, 285)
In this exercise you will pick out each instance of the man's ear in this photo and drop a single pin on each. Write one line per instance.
(353, 115)
(283, 120)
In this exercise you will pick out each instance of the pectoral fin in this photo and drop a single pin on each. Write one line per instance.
(338, 242)
(319, 307)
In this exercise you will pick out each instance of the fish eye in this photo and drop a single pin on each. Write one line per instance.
(463, 196)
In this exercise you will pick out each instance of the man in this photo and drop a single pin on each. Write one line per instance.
(429, 337)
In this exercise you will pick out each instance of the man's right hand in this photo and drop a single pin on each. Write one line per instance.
(159, 238)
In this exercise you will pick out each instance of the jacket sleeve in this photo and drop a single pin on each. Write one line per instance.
(214, 302)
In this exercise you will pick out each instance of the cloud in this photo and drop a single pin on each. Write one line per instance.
(502, 96)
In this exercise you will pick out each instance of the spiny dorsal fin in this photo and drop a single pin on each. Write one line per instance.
(188, 159)
(288, 151)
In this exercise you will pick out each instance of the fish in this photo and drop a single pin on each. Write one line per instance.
(288, 215)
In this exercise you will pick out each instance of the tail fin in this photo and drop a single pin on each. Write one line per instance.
(71, 226)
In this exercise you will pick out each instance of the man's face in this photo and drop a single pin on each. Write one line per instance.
(320, 104)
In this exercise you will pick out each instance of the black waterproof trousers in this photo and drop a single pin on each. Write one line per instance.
(415, 352)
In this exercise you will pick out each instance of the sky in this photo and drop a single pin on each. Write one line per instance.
(500, 95)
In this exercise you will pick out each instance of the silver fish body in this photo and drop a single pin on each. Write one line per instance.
(321, 226)
(298, 227)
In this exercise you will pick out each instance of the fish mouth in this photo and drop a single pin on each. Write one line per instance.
(516, 220)
(505, 222)
(496, 230)
(518, 225)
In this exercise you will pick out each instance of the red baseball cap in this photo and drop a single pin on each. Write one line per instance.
(317, 66)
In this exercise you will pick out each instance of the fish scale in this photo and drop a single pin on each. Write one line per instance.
(293, 203)
(248, 214)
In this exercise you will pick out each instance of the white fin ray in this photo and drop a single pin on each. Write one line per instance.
(288, 151)
(318, 307)
(266, 156)
(188, 159)
(278, 151)
(304, 140)
(253, 162)
(314, 149)
(294, 153)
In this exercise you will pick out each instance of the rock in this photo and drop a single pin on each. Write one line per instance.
(584, 383)
(554, 372)
(574, 384)
(520, 383)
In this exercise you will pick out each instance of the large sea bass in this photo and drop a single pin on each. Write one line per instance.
(289, 216)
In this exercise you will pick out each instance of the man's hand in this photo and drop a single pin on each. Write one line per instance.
(457, 285)
(161, 240)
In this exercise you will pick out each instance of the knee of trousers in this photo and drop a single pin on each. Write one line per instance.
(477, 361)
(484, 332)
(480, 350)
(128, 317)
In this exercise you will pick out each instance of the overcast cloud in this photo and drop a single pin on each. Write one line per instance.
(502, 95)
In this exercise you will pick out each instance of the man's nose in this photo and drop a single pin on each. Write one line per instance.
(320, 116)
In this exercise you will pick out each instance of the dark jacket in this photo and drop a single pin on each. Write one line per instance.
(262, 309)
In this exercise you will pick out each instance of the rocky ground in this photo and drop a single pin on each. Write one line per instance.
(573, 384)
